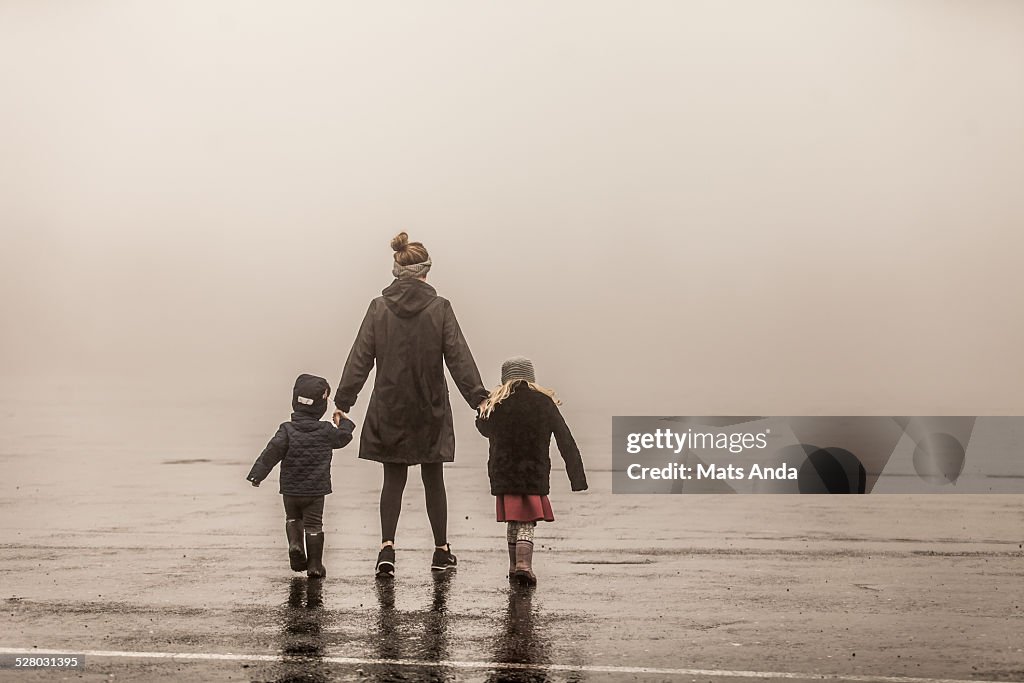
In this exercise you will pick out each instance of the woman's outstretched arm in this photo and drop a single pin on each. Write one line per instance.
(460, 361)
(358, 366)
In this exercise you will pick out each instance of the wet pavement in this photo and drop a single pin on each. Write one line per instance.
(169, 550)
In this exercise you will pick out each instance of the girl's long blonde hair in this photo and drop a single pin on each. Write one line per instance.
(503, 391)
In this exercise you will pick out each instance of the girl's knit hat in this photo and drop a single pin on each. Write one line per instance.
(518, 367)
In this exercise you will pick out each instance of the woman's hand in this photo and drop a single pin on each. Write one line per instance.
(338, 416)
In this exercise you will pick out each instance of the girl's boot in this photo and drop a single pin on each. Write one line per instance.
(524, 563)
(511, 560)
(296, 547)
(315, 555)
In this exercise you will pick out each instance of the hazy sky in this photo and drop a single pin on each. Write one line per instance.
(675, 207)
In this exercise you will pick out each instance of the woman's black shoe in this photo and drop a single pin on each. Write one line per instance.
(386, 561)
(443, 560)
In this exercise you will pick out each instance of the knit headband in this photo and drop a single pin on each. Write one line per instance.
(412, 270)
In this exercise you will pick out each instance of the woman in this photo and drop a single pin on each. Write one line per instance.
(408, 332)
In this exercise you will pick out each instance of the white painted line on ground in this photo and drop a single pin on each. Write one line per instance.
(452, 664)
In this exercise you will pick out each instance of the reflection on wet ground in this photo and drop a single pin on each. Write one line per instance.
(418, 635)
(401, 641)
(516, 641)
(302, 634)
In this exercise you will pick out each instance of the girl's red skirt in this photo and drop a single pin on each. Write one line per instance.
(517, 507)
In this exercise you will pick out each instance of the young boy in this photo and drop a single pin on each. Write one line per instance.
(304, 447)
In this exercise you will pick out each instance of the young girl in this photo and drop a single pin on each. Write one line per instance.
(519, 418)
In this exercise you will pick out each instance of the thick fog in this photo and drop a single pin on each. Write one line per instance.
(673, 207)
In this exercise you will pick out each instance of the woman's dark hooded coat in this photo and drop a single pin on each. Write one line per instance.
(410, 333)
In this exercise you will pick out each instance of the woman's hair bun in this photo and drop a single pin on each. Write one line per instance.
(400, 241)
(408, 253)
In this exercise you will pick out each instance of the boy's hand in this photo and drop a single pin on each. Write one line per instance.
(254, 482)
(338, 416)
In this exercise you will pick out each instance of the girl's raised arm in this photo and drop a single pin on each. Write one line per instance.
(570, 452)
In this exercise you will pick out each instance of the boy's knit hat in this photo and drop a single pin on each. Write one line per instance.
(518, 367)
(310, 395)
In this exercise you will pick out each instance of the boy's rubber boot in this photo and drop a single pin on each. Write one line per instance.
(315, 555)
(524, 563)
(296, 545)
(511, 561)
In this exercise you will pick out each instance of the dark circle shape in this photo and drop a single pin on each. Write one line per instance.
(832, 470)
(939, 459)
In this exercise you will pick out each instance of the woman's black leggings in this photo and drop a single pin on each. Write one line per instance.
(395, 477)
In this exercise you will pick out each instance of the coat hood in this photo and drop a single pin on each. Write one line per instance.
(304, 422)
(406, 297)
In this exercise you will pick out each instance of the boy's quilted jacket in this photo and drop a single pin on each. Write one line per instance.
(304, 447)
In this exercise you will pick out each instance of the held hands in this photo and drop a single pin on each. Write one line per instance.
(254, 482)
(338, 417)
